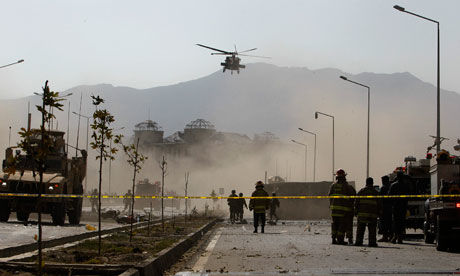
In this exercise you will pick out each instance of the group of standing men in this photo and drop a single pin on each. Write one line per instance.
(258, 206)
(236, 205)
(391, 212)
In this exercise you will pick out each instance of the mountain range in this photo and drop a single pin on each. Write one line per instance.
(265, 97)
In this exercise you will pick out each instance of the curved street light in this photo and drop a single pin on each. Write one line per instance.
(302, 144)
(368, 117)
(333, 134)
(438, 94)
(314, 153)
(17, 62)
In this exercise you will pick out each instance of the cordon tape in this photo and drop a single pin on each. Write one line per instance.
(225, 197)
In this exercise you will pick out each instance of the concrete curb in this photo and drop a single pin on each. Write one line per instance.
(169, 256)
(152, 266)
(25, 248)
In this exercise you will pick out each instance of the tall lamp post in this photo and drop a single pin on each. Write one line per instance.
(302, 144)
(87, 140)
(314, 154)
(368, 116)
(17, 62)
(333, 143)
(438, 96)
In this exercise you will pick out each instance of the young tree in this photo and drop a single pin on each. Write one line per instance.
(39, 153)
(163, 167)
(135, 159)
(102, 132)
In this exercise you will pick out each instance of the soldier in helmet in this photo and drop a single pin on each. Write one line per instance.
(274, 204)
(94, 200)
(339, 207)
(233, 206)
(241, 205)
(259, 206)
(127, 200)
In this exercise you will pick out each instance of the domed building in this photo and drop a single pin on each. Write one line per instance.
(148, 132)
(198, 131)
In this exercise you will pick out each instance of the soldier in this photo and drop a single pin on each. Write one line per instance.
(241, 205)
(259, 205)
(367, 210)
(274, 204)
(127, 200)
(399, 207)
(385, 218)
(349, 215)
(94, 200)
(232, 204)
(339, 206)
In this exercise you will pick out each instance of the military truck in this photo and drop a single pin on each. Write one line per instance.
(442, 214)
(62, 176)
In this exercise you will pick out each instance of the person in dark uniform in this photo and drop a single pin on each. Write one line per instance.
(274, 204)
(241, 205)
(399, 207)
(339, 207)
(386, 214)
(349, 215)
(367, 210)
(127, 200)
(259, 206)
(232, 204)
(94, 201)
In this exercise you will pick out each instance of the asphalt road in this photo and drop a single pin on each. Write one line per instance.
(295, 248)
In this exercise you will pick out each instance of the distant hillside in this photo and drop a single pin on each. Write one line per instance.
(265, 97)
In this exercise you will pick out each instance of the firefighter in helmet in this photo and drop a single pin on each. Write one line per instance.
(339, 207)
(259, 206)
(367, 210)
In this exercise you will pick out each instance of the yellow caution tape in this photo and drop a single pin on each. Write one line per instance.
(225, 197)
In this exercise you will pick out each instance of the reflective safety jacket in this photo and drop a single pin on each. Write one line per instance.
(367, 209)
(259, 205)
(340, 206)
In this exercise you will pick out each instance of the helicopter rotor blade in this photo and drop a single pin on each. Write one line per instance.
(223, 54)
(222, 51)
(248, 50)
(255, 56)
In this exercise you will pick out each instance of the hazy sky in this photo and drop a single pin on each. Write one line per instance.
(148, 43)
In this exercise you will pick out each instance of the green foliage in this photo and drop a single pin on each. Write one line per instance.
(37, 143)
(135, 159)
(102, 132)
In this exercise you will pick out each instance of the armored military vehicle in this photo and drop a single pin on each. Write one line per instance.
(62, 176)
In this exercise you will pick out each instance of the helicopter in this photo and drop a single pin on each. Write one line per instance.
(232, 61)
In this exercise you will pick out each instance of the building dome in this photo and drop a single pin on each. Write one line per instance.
(147, 125)
(198, 131)
(199, 124)
(148, 132)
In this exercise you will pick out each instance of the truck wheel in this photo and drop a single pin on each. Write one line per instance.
(441, 244)
(4, 211)
(58, 214)
(22, 215)
(75, 213)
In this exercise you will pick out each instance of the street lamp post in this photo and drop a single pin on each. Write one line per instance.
(368, 116)
(302, 144)
(438, 95)
(87, 140)
(333, 143)
(17, 62)
(314, 154)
